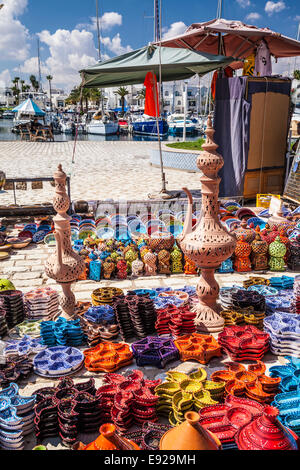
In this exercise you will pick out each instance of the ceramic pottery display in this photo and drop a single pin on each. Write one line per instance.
(149, 436)
(296, 295)
(241, 316)
(3, 324)
(252, 383)
(225, 420)
(105, 295)
(294, 258)
(284, 331)
(128, 400)
(244, 342)
(14, 370)
(109, 440)
(12, 307)
(97, 323)
(176, 321)
(157, 352)
(163, 259)
(201, 348)
(176, 260)
(135, 315)
(42, 304)
(58, 361)
(189, 435)
(226, 266)
(282, 282)
(137, 268)
(233, 297)
(277, 251)
(245, 233)
(208, 244)
(29, 328)
(190, 268)
(65, 265)
(259, 254)
(62, 333)
(23, 347)
(182, 392)
(16, 418)
(242, 253)
(67, 410)
(107, 357)
(266, 433)
(150, 260)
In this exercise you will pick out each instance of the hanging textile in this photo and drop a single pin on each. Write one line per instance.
(249, 65)
(151, 91)
(228, 72)
(231, 122)
(263, 64)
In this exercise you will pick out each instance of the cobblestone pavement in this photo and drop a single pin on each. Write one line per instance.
(26, 270)
(102, 170)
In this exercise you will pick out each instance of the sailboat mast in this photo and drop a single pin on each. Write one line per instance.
(39, 65)
(98, 30)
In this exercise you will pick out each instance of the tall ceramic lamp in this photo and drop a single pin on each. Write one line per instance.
(208, 244)
(64, 266)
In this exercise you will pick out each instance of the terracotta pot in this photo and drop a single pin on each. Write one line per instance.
(190, 435)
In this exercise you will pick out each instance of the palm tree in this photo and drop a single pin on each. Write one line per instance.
(122, 92)
(296, 74)
(50, 78)
(142, 94)
(34, 83)
(16, 89)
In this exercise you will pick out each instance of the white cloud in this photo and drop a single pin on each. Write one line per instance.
(273, 7)
(5, 79)
(284, 66)
(14, 35)
(176, 29)
(297, 18)
(107, 22)
(115, 45)
(70, 51)
(244, 3)
(253, 16)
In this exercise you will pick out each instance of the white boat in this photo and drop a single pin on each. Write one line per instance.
(8, 115)
(103, 123)
(176, 124)
(67, 126)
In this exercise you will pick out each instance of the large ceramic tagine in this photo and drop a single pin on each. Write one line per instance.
(64, 266)
(208, 244)
(189, 435)
(266, 433)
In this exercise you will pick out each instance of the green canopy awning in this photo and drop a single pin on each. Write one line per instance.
(131, 68)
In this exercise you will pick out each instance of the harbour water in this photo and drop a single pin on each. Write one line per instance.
(7, 124)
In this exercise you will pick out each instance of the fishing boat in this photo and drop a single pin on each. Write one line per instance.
(176, 125)
(146, 125)
(103, 123)
(123, 124)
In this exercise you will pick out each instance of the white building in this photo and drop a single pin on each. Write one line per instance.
(7, 98)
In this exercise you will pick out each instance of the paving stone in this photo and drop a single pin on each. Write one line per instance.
(19, 284)
(27, 275)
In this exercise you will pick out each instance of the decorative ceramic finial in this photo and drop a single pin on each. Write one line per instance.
(64, 266)
(209, 243)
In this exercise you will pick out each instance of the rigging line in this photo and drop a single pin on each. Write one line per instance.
(76, 134)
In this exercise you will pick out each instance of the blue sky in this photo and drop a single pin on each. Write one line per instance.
(68, 37)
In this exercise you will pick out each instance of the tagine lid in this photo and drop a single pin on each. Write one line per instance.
(189, 435)
(266, 433)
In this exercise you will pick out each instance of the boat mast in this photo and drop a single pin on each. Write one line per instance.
(39, 66)
(98, 30)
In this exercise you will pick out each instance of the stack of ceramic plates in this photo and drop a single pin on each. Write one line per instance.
(3, 324)
(42, 304)
(296, 299)
(105, 295)
(16, 418)
(244, 342)
(12, 303)
(87, 227)
(284, 331)
(62, 333)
